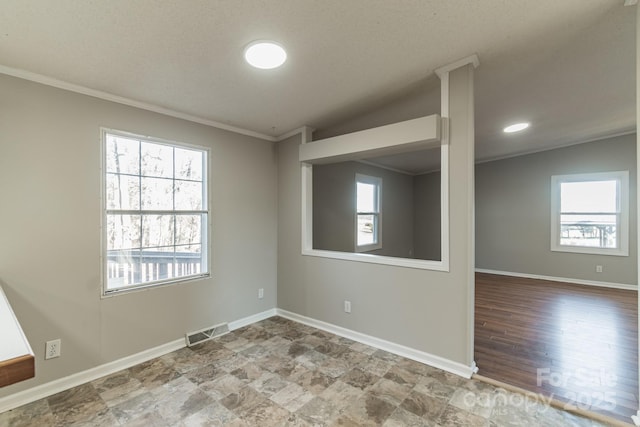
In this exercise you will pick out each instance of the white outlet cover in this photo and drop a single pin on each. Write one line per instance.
(347, 306)
(52, 349)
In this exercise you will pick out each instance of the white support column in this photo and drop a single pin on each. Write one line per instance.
(306, 243)
(458, 140)
(636, 418)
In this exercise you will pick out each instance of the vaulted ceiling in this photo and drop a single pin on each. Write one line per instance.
(566, 66)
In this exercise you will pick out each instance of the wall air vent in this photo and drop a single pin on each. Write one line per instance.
(202, 335)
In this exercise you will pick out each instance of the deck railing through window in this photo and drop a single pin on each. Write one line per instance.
(602, 235)
(132, 267)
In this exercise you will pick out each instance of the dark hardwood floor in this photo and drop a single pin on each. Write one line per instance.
(576, 343)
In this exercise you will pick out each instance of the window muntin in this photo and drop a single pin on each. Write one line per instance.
(590, 213)
(368, 218)
(155, 212)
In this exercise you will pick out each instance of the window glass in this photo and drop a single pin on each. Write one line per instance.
(368, 212)
(590, 213)
(155, 212)
(589, 196)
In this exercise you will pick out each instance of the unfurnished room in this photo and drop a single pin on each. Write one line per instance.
(319, 213)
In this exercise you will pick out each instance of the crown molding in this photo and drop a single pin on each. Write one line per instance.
(471, 59)
(60, 84)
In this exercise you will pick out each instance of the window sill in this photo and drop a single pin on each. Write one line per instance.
(590, 251)
(379, 259)
(108, 293)
(368, 248)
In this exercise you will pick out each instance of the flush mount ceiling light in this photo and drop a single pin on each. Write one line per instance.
(517, 127)
(265, 54)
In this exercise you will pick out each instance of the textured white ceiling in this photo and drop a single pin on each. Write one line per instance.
(568, 66)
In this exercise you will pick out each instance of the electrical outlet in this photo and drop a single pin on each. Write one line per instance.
(52, 349)
(598, 269)
(347, 306)
(260, 293)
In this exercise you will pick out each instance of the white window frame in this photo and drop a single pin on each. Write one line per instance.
(622, 223)
(410, 135)
(377, 213)
(205, 227)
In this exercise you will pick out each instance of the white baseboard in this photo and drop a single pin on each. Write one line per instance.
(44, 390)
(41, 391)
(252, 319)
(410, 353)
(73, 380)
(561, 279)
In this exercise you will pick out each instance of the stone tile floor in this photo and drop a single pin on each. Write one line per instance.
(281, 373)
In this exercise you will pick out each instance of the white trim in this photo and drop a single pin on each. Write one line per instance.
(206, 227)
(474, 367)
(471, 216)
(302, 130)
(389, 168)
(379, 259)
(254, 318)
(622, 184)
(400, 137)
(44, 390)
(306, 208)
(555, 147)
(630, 2)
(444, 198)
(306, 174)
(445, 106)
(376, 181)
(636, 419)
(73, 380)
(422, 132)
(400, 350)
(60, 84)
(47, 389)
(613, 285)
(445, 70)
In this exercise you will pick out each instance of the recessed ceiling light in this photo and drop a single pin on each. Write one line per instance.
(265, 54)
(517, 127)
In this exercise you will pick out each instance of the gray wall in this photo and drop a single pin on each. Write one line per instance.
(411, 210)
(513, 212)
(334, 208)
(427, 238)
(426, 310)
(50, 230)
(420, 99)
